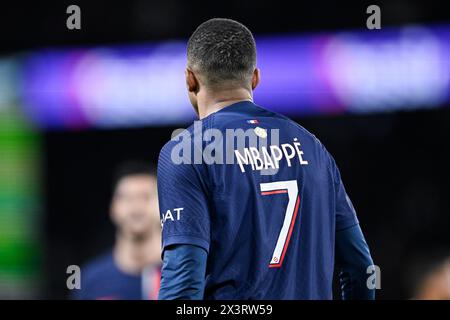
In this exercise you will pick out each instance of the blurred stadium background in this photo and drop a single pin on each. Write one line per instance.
(74, 104)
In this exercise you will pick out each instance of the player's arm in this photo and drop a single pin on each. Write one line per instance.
(183, 273)
(352, 259)
(352, 252)
(183, 204)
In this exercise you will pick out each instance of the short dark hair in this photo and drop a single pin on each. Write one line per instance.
(222, 50)
(132, 168)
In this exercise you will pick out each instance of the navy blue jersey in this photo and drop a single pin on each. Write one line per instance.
(265, 208)
(101, 279)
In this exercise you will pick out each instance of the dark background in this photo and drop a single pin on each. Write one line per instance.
(26, 24)
(395, 165)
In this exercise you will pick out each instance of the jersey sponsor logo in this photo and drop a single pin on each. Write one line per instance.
(171, 215)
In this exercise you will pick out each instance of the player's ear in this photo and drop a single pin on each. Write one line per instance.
(255, 78)
(191, 81)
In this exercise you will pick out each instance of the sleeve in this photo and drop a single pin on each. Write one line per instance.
(183, 273)
(183, 202)
(352, 259)
(345, 212)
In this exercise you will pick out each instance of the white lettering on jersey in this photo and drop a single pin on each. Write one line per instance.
(171, 217)
(261, 158)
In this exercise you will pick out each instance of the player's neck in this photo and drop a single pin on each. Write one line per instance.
(212, 101)
(132, 255)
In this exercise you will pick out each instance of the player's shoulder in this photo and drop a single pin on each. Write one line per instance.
(236, 116)
(292, 125)
(306, 136)
(184, 139)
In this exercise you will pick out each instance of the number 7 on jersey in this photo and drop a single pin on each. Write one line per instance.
(291, 188)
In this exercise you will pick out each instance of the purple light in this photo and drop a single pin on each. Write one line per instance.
(355, 72)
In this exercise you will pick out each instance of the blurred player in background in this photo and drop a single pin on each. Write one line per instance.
(269, 225)
(131, 270)
(429, 277)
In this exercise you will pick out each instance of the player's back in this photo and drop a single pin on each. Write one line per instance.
(270, 201)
